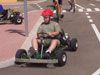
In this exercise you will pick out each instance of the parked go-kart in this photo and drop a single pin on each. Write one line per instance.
(58, 56)
(9, 15)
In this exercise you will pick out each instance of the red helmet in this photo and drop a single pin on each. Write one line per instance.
(47, 12)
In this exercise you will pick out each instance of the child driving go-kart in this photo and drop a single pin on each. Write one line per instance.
(51, 29)
(49, 45)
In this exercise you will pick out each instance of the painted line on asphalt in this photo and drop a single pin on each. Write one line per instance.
(92, 4)
(87, 13)
(93, 26)
(63, 11)
(89, 10)
(25, 45)
(90, 20)
(97, 0)
(39, 6)
(96, 32)
(88, 17)
(97, 9)
(97, 72)
(80, 10)
(79, 6)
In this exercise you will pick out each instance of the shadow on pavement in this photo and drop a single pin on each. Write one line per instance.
(16, 31)
(4, 23)
(38, 65)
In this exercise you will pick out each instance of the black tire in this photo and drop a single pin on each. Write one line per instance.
(62, 58)
(19, 54)
(73, 44)
(31, 52)
(19, 20)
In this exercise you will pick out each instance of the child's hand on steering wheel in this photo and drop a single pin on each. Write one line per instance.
(50, 34)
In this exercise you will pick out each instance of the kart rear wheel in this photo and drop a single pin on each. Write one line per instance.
(62, 58)
(73, 44)
(21, 53)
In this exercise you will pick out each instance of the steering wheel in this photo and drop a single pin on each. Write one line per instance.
(43, 35)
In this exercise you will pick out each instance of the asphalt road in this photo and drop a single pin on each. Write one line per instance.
(85, 61)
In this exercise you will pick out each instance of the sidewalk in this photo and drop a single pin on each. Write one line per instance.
(13, 38)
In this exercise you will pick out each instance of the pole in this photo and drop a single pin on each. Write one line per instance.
(26, 18)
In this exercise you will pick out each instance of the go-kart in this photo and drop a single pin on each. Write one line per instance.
(11, 16)
(58, 56)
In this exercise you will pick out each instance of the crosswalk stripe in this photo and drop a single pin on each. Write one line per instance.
(83, 10)
(92, 4)
(80, 10)
(89, 10)
(97, 0)
(97, 9)
(63, 11)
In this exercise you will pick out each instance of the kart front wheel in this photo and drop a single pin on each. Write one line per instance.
(62, 58)
(20, 54)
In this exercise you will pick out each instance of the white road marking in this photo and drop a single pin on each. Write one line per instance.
(97, 0)
(39, 6)
(63, 11)
(87, 13)
(89, 10)
(97, 9)
(88, 17)
(79, 6)
(90, 20)
(97, 33)
(97, 72)
(92, 4)
(80, 10)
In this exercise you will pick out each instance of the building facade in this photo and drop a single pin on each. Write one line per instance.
(8, 1)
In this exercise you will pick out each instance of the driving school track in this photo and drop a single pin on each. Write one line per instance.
(82, 62)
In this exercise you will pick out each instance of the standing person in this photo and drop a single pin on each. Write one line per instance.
(58, 6)
(72, 5)
(50, 28)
